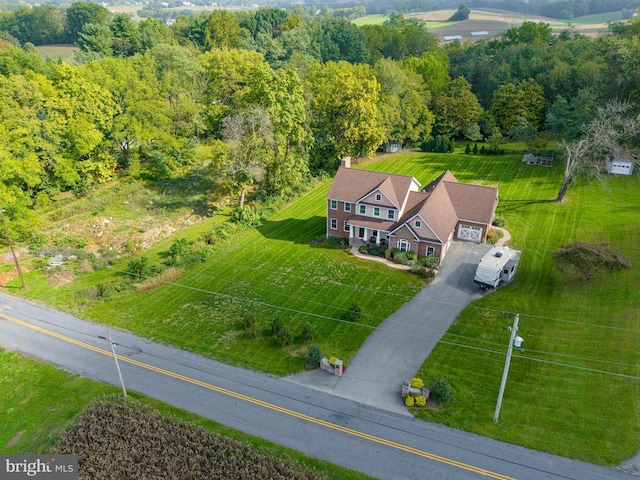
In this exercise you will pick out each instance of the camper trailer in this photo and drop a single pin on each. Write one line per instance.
(499, 265)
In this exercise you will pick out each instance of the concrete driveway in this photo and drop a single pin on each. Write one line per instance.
(399, 346)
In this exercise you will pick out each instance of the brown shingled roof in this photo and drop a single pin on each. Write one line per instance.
(351, 185)
(474, 203)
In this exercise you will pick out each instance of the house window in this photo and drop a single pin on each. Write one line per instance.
(391, 214)
(363, 210)
(346, 227)
(378, 197)
(431, 251)
(376, 211)
(347, 207)
(404, 246)
(334, 204)
(417, 224)
(334, 224)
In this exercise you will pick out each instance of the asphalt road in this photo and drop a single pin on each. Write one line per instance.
(377, 442)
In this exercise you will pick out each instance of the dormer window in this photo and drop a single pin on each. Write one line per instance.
(378, 197)
(417, 224)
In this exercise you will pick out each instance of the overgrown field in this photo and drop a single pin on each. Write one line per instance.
(43, 406)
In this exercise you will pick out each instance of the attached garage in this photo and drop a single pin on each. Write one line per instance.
(470, 232)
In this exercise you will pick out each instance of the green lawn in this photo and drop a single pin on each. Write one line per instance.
(41, 402)
(549, 405)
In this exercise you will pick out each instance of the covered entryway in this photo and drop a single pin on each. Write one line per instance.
(469, 232)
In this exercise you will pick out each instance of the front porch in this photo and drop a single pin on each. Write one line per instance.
(362, 235)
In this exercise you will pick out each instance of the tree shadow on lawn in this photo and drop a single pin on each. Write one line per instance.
(513, 205)
(294, 230)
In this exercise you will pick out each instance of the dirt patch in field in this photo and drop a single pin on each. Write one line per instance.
(16, 438)
(61, 278)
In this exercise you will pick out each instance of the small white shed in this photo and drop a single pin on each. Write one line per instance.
(619, 166)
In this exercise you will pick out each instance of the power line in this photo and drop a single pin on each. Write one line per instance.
(371, 327)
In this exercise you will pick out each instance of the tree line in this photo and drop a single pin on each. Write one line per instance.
(280, 96)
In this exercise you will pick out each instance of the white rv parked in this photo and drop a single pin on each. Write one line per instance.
(498, 265)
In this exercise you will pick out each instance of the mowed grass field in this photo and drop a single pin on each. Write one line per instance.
(573, 390)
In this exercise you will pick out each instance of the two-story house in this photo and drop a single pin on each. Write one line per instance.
(390, 209)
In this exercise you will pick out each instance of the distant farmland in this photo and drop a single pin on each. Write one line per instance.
(495, 22)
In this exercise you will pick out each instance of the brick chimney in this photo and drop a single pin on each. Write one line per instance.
(346, 162)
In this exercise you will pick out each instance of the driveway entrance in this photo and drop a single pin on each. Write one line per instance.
(399, 346)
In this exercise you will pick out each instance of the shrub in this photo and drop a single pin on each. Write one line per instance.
(430, 262)
(467, 149)
(250, 325)
(475, 149)
(314, 355)
(307, 333)
(39, 241)
(424, 273)
(353, 314)
(494, 235)
(363, 249)
(276, 326)
(284, 337)
(421, 401)
(440, 391)
(499, 221)
(333, 360)
(138, 266)
(409, 401)
(417, 382)
(388, 254)
(400, 257)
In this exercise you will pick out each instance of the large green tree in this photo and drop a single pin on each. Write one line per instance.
(344, 109)
(457, 109)
(511, 101)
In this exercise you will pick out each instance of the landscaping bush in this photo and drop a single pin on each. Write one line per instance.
(307, 333)
(499, 221)
(353, 314)
(284, 337)
(363, 249)
(494, 235)
(409, 401)
(276, 326)
(430, 262)
(440, 391)
(420, 401)
(250, 325)
(314, 355)
(438, 144)
(424, 273)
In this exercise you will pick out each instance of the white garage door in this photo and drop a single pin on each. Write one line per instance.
(469, 232)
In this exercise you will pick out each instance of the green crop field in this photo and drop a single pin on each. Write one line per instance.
(573, 390)
(376, 19)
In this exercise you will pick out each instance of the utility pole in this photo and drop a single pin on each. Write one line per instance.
(115, 357)
(15, 258)
(514, 329)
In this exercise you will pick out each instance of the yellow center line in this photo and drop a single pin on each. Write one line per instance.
(261, 403)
